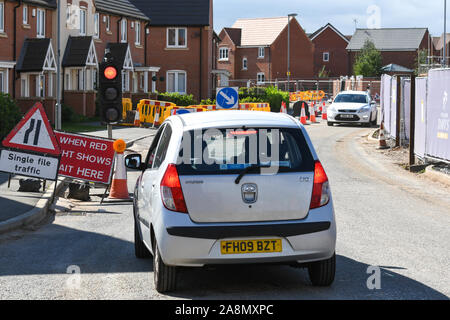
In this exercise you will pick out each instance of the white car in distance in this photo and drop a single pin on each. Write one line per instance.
(353, 107)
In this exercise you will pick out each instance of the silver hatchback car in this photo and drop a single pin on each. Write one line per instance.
(233, 187)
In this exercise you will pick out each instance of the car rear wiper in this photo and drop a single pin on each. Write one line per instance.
(248, 169)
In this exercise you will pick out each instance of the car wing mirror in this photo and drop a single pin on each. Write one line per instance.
(134, 162)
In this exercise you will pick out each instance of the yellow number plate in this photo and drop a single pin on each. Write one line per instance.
(251, 246)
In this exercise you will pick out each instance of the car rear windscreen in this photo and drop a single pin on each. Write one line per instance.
(230, 151)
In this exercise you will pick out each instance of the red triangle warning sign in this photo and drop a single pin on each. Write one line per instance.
(33, 133)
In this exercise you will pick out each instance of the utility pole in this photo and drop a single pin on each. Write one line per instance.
(445, 34)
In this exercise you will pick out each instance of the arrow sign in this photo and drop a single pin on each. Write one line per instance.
(33, 133)
(227, 98)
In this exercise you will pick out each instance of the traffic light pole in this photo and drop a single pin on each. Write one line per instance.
(109, 127)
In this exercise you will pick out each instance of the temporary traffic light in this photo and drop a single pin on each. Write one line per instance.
(110, 90)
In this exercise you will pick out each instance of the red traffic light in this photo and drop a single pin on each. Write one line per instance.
(110, 73)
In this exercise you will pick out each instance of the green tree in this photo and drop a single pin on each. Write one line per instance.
(422, 58)
(10, 115)
(368, 62)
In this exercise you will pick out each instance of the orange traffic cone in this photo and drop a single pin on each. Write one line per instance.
(303, 118)
(312, 115)
(119, 187)
(382, 138)
(324, 112)
(283, 108)
(156, 119)
(137, 119)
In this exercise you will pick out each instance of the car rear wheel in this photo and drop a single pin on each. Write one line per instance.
(322, 273)
(140, 250)
(164, 275)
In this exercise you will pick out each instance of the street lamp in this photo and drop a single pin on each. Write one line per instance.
(292, 15)
(445, 34)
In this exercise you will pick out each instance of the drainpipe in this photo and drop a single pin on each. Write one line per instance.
(14, 48)
(119, 29)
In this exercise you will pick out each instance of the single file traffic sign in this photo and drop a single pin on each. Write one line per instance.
(33, 133)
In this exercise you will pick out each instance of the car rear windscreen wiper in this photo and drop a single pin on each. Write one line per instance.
(248, 169)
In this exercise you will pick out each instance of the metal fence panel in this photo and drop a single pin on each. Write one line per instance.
(406, 117)
(393, 109)
(386, 101)
(438, 114)
(420, 123)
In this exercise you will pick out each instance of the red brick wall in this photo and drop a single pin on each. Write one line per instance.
(254, 64)
(82, 102)
(25, 104)
(231, 65)
(302, 54)
(187, 59)
(22, 32)
(330, 41)
(113, 36)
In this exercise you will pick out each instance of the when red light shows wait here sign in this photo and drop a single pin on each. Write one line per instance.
(85, 158)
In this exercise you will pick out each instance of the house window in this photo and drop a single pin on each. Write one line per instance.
(125, 81)
(137, 30)
(50, 85)
(123, 31)
(81, 79)
(176, 81)
(244, 64)
(40, 23)
(260, 77)
(2, 17)
(223, 54)
(40, 86)
(25, 14)
(24, 86)
(176, 37)
(107, 21)
(82, 22)
(96, 25)
(326, 56)
(3, 83)
(94, 79)
(261, 51)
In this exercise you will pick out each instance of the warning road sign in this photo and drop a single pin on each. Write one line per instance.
(30, 165)
(33, 133)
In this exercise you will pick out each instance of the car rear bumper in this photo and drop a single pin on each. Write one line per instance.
(183, 242)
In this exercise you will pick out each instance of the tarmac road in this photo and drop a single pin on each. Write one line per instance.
(385, 218)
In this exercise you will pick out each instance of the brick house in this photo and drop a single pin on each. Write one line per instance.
(181, 43)
(397, 45)
(27, 59)
(256, 49)
(89, 27)
(330, 51)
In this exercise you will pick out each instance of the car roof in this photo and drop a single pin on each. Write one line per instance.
(354, 92)
(237, 118)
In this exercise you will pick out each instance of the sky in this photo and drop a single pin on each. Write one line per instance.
(314, 14)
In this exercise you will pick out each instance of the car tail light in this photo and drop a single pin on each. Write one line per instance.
(171, 193)
(320, 195)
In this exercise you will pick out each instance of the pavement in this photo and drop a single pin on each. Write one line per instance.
(25, 209)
